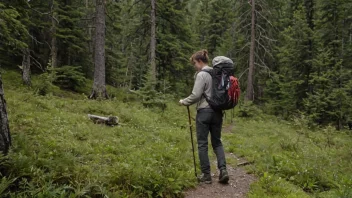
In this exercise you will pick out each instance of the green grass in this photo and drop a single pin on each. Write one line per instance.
(58, 152)
(292, 161)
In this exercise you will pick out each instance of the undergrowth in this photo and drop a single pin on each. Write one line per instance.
(58, 152)
(290, 159)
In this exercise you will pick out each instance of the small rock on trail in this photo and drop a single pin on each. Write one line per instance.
(238, 186)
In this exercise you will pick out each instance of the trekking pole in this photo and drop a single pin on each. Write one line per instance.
(190, 128)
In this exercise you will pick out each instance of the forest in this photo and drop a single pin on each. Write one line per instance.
(62, 59)
(292, 57)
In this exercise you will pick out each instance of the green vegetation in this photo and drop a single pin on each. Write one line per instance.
(291, 160)
(58, 152)
(302, 77)
(302, 57)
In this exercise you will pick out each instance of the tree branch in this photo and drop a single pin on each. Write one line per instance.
(37, 63)
(243, 73)
(47, 13)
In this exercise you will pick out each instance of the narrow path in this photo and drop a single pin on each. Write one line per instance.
(238, 186)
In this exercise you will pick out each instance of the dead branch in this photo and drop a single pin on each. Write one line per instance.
(266, 50)
(46, 13)
(243, 73)
(110, 121)
(267, 20)
(37, 63)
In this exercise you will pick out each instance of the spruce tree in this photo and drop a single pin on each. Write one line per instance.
(330, 99)
(287, 87)
(99, 89)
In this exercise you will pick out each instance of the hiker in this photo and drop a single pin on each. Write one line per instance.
(207, 119)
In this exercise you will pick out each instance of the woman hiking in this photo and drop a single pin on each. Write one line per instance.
(207, 119)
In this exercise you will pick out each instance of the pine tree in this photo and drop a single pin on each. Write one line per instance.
(13, 35)
(258, 45)
(288, 87)
(220, 20)
(99, 89)
(174, 45)
(153, 42)
(250, 90)
(13, 31)
(200, 22)
(212, 19)
(329, 101)
(54, 21)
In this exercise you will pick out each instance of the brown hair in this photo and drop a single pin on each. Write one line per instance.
(201, 55)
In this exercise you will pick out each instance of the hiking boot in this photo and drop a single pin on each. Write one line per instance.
(204, 178)
(224, 176)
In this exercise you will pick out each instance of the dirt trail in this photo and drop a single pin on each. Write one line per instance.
(238, 186)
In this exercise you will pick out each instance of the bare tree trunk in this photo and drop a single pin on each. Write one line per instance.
(5, 137)
(125, 83)
(53, 38)
(99, 89)
(153, 41)
(89, 32)
(309, 4)
(26, 67)
(250, 90)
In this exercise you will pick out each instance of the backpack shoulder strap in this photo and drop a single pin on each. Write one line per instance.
(209, 71)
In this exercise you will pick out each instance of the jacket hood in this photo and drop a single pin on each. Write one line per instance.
(221, 59)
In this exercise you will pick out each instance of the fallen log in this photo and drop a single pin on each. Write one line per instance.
(110, 121)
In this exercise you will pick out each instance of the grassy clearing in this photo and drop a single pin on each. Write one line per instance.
(292, 161)
(58, 152)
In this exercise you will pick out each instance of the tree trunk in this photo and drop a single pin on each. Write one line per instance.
(5, 138)
(310, 20)
(89, 32)
(153, 42)
(250, 90)
(99, 89)
(26, 67)
(53, 38)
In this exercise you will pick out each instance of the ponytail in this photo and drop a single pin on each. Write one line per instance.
(200, 56)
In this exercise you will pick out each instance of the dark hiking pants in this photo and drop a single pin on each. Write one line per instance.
(209, 121)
